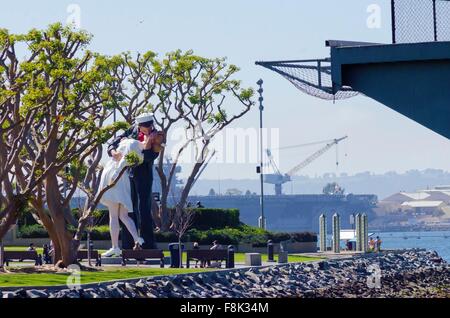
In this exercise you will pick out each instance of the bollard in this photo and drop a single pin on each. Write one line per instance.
(336, 233)
(364, 232)
(174, 249)
(90, 248)
(270, 251)
(230, 258)
(358, 232)
(323, 232)
(1, 253)
(283, 253)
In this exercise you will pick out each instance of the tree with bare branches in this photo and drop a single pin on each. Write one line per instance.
(16, 122)
(64, 142)
(183, 219)
(184, 90)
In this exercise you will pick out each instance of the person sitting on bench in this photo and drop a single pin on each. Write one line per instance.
(216, 246)
(46, 254)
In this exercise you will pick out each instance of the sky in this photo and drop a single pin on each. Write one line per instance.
(379, 139)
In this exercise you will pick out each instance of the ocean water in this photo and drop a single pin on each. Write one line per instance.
(438, 241)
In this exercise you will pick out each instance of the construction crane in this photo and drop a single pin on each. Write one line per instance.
(278, 179)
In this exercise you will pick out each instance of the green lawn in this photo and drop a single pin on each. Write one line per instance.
(106, 274)
(21, 248)
(21, 276)
(238, 257)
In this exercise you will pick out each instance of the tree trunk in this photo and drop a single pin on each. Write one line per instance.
(180, 251)
(47, 222)
(165, 215)
(11, 213)
(156, 214)
(188, 185)
(68, 254)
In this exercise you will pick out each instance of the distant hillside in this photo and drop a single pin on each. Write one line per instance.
(382, 185)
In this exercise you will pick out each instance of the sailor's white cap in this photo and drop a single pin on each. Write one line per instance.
(143, 118)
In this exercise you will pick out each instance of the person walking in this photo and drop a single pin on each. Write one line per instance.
(378, 244)
(371, 244)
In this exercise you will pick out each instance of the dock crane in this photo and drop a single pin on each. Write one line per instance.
(278, 179)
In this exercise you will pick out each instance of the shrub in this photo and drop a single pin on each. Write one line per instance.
(304, 237)
(100, 233)
(38, 231)
(32, 231)
(208, 218)
(278, 237)
(166, 237)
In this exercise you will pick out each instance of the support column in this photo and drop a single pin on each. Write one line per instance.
(1, 253)
(365, 232)
(323, 232)
(336, 233)
(358, 232)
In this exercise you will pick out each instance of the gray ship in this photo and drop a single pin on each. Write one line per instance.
(293, 213)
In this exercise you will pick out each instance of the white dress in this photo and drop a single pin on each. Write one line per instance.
(121, 192)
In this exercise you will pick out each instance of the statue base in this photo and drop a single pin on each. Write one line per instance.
(118, 261)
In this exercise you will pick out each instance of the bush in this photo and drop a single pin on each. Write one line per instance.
(227, 236)
(32, 231)
(100, 233)
(304, 237)
(243, 234)
(278, 237)
(38, 231)
(166, 237)
(208, 218)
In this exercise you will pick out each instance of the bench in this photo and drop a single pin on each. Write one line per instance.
(83, 254)
(9, 256)
(142, 255)
(206, 256)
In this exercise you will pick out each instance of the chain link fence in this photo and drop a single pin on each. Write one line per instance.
(416, 21)
(312, 77)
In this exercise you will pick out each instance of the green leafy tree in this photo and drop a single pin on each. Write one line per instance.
(17, 117)
(74, 88)
(184, 90)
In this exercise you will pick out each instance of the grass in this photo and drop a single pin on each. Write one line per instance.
(238, 257)
(19, 279)
(22, 248)
(24, 276)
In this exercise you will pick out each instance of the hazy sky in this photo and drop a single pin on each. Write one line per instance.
(379, 140)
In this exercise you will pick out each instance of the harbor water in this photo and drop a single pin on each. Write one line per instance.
(438, 241)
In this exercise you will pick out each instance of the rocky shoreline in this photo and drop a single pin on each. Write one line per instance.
(412, 273)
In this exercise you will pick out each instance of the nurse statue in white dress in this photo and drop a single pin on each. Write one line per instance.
(118, 198)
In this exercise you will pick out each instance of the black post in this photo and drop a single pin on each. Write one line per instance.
(393, 21)
(434, 20)
(270, 251)
(230, 258)
(1, 254)
(319, 69)
(262, 219)
(90, 247)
